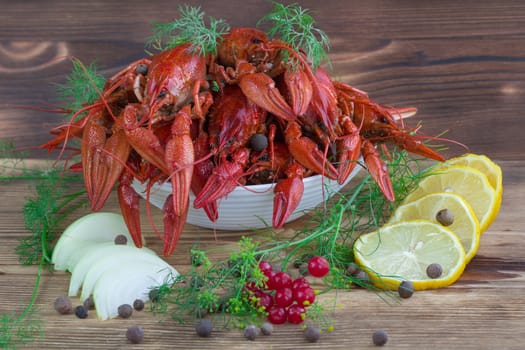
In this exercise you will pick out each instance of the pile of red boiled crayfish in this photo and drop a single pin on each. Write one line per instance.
(268, 121)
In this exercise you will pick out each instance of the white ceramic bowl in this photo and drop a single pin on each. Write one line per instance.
(251, 207)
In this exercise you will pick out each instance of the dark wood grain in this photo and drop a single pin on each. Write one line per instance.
(462, 63)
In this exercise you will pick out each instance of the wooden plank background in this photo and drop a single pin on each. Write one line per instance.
(462, 63)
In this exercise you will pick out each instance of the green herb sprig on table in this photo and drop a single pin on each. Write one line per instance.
(189, 28)
(219, 287)
(214, 287)
(45, 213)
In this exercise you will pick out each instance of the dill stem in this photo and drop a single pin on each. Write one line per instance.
(45, 254)
(336, 224)
(301, 241)
(32, 177)
(68, 199)
(31, 303)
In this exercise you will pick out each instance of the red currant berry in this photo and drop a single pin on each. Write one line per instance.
(296, 314)
(264, 300)
(284, 297)
(300, 282)
(265, 267)
(277, 314)
(318, 266)
(269, 282)
(304, 296)
(280, 280)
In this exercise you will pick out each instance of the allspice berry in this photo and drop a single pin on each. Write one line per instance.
(204, 328)
(267, 328)
(445, 217)
(251, 332)
(258, 142)
(380, 337)
(125, 310)
(312, 334)
(405, 289)
(138, 304)
(135, 334)
(434, 270)
(63, 305)
(81, 311)
(89, 303)
(121, 239)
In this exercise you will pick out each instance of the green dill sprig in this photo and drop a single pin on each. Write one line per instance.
(363, 210)
(23, 328)
(293, 25)
(82, 87)
(44, 213)
(12, 161)
(189, 28)
(219, 287)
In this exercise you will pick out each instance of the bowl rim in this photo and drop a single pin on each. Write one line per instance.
(268, 186)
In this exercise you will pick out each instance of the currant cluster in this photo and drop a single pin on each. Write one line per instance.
(283, 298)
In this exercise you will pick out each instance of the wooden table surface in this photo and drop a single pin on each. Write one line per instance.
(462, 63)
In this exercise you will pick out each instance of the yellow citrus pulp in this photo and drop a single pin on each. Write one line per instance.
(439, 222)
(469, 183)
(464, 224)
(404, 250)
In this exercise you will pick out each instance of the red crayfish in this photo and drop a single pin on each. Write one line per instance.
(158, 120)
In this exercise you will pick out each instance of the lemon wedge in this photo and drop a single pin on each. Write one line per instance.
(483, 164)
(404, 250)
(432, 207)
(469, 183)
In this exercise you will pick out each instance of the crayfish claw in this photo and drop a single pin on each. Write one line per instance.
(173, 225)
(129, 206)
(377, 169)
(287, 195)
(261, 90)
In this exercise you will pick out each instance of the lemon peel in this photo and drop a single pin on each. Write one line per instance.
(403, 251)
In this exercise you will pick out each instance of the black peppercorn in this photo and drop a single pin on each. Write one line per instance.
(434, 270)
(251, 332)
(138, 305)
(312, 334)
(380, 337)
(81, 311)
(135, 334)
(405, 289)
(125, 310)
(204, 328)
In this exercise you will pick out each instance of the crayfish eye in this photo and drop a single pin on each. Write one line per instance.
(161, 94)
(141, 69)
(255, 41)
(383, 120)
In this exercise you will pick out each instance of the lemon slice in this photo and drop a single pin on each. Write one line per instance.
(483, 164)
(464, 224)
(403, 251)
(469, 183)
